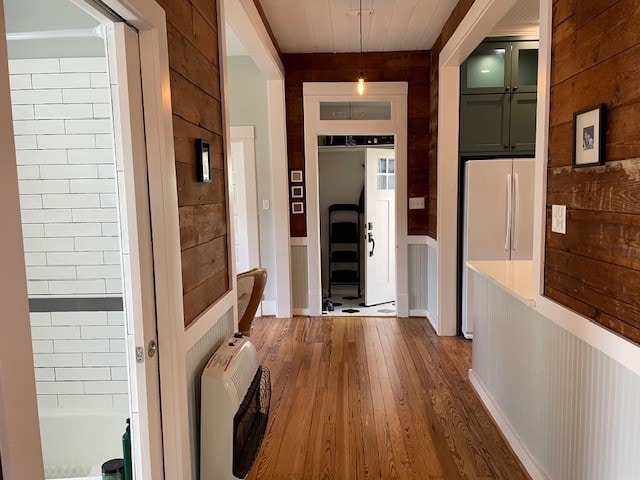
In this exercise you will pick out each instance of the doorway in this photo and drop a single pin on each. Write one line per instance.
(357, 224)
(79, 136)
(335, 109)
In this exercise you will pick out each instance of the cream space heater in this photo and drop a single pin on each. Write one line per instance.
(235, 398)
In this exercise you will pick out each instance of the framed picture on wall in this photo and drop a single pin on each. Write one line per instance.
(297, 192)
(297, 208)
(296, 176)
(589, 129)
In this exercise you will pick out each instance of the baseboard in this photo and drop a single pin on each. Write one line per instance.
(300, 312)
(519, 448)
(268, 307)
(432, 320)
(418, 313)
(467, 335)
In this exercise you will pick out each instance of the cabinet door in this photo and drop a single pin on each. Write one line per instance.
(523, 123)
(487, 70)
(524, 67)
(484, 123)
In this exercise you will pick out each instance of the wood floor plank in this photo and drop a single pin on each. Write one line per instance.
(373, 398)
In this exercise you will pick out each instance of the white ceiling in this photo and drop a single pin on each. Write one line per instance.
(525, 12)
(306, 26)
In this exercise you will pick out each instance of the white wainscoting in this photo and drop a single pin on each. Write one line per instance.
(563, 404)
(299, 280)
(418, 279)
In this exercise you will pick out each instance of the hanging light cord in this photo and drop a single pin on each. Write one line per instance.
(360, 37)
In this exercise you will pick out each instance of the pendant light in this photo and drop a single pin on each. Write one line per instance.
(361, 73)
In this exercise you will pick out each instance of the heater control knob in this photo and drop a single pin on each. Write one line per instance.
(237, 335)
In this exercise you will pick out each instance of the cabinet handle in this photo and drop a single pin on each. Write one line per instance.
(506, 147)
(507, 89)
(515, 88)
(513, 147)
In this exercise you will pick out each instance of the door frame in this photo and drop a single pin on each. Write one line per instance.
(314, 93)
(246, 22)
(22, 456)
(476, 25)
(247, 136)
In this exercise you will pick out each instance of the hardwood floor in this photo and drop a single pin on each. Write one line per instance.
(373, 398)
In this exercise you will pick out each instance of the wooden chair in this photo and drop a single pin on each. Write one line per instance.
(250, 289)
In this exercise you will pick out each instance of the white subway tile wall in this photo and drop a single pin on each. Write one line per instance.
(66, 170)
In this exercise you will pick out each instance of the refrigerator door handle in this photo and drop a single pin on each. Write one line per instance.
(516, 220)
(507, 235)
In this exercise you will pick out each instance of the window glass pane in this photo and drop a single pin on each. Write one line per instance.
(355, 110)
(528, 67)
(382, 182)
(392, 165)
(382, 165)
(391, 182)
(485, 68)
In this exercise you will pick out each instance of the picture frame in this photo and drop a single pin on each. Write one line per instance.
(297, 208)
(297, 192)
(589, 136)
(203, 160)
(296, 176)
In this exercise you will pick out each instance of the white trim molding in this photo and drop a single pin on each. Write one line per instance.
(243, 17)
(314, 93)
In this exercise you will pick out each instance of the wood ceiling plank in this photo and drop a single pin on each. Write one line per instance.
(432, 30)
(342, 26)
(398, 24)
(376, 34)
(422, 17)
(318, 15)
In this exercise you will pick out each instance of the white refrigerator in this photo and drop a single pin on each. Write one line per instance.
(498, 218)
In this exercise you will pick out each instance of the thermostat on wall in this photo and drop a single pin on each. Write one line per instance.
(203, 160)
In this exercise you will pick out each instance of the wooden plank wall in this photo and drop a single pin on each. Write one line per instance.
(411, 67)
(449, 28)
(595, 268)
(197, 113)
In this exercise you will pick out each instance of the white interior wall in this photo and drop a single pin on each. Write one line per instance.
(341, 179)
(66, 173)
(248, 106)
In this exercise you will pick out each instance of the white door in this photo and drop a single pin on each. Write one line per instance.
(245, 197)
(137, 253)
(380, 227)
(239, 207)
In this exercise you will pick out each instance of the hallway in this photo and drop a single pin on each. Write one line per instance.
(357, 397)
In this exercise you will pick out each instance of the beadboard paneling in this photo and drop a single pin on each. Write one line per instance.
(574, 408)
(196, 358)
(299, 277)
(418, 277)
(591, 270)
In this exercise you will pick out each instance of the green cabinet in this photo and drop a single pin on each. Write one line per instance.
(498, 99)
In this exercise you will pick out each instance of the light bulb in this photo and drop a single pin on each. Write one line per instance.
(361, 85)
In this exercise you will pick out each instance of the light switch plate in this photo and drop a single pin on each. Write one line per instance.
(559, 219)
(416, 203)
(266, 205)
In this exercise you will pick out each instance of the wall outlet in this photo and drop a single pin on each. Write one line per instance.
(559, 219)
(266, 205)
(416, 203)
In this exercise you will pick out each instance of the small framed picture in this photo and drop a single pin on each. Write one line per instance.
(297, 208)
(589, 129)
(296, 176)
(297, 192)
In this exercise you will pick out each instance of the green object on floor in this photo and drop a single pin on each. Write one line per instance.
(126, 452)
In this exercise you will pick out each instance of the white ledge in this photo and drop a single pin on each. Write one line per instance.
(514, 276)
